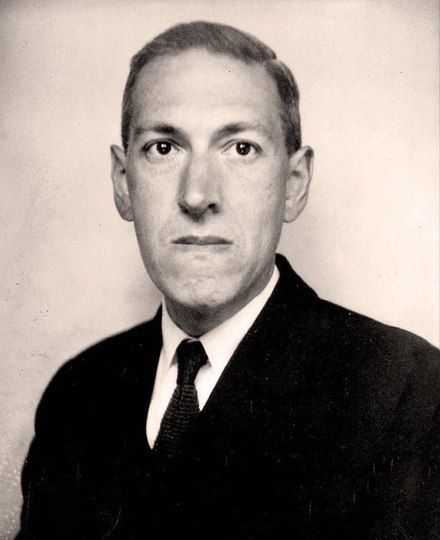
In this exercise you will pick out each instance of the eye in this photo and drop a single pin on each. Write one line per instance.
(163, 147)
(159, 150)
(242, 150)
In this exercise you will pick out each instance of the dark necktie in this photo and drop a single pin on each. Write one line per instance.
(183, 407)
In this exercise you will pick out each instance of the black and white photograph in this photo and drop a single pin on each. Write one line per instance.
(219, 269)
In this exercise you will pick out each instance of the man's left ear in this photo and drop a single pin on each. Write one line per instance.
(298, 183)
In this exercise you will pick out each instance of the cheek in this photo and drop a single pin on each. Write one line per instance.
(263, 209)
(152, 200)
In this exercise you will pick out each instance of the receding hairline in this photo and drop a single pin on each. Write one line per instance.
(163, 55)
(218, 39)
(150, 65)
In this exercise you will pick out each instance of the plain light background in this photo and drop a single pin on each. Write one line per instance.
(70, 269)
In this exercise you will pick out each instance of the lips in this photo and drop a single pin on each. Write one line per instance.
(208, 240)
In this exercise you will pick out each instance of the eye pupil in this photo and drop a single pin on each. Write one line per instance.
(163, 148)
(243, 148)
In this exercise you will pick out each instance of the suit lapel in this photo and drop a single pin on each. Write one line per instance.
(278, 333)
(142, 351)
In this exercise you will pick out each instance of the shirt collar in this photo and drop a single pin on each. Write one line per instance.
(220, 342)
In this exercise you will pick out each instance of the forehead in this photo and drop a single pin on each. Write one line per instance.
(205, 87)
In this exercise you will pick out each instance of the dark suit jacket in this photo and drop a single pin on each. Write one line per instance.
(324, 424)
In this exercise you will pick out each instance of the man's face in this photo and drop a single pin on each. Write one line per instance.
(207, 178)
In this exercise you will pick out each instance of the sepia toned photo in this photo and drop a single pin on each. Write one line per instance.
(220, 274)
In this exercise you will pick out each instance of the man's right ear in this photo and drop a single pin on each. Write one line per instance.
(120, 187)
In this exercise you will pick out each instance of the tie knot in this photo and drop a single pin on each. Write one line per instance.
(191, 356)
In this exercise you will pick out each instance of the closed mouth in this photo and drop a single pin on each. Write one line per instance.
(201, 240)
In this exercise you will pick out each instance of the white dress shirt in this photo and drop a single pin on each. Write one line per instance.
(219, 343)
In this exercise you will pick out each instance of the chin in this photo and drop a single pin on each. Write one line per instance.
(202, 295)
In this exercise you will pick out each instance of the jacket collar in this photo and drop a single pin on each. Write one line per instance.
(282, 327)
(268, 340)
(286, 305)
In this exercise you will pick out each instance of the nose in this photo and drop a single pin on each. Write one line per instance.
(200, 190)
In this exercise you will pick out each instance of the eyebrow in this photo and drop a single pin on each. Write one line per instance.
(237, 127)
(225, 131)
(163, 129)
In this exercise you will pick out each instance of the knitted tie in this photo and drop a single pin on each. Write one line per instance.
(183, 407)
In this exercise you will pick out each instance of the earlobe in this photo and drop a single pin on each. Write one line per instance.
(298, 183)
(120, 187)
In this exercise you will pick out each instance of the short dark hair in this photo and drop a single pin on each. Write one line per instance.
(219, 39)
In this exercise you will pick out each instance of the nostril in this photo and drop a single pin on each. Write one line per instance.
(214, 207)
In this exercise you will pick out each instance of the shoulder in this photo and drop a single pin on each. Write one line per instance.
(330, 329)
(110, 355)
(96, 377)
(384, 361)
(340, 345)
(348, 328)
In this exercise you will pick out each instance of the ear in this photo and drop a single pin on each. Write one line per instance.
(298, 183)
(120, 187)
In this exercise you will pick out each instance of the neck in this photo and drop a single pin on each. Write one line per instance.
(196, 321)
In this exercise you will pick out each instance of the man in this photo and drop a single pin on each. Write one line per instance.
(248, 407)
